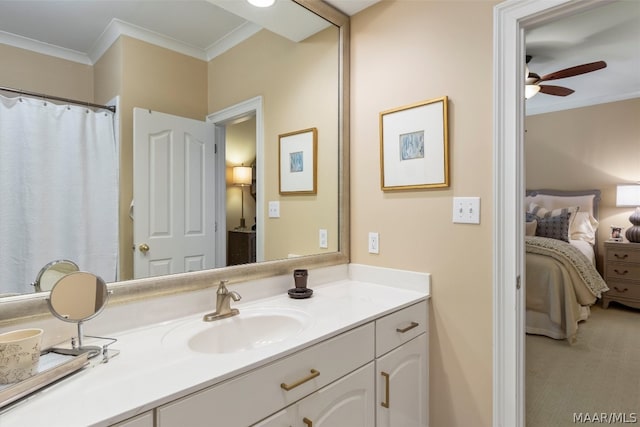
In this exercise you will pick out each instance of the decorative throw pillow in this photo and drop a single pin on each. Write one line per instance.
(554, 227)
(541, 212)
(530, 227)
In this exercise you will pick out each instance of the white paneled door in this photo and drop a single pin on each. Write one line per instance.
(173, 193)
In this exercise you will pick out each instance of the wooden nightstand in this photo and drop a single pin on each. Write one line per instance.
(241, 247)
(622, 273)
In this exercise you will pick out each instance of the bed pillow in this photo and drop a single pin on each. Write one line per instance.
(583, 227)
(554, 227)
(541, 212)
(530, 227)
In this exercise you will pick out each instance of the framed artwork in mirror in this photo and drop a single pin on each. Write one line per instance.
(414, 146)
(298, 161)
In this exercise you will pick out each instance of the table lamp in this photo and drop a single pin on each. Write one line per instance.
(242, 176)
(628, 195)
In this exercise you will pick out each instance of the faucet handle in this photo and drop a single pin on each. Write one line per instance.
(222, 288)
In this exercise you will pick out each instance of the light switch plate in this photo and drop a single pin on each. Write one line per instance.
(374, 243)
(466, 210)
(274, 209)
(323, 239)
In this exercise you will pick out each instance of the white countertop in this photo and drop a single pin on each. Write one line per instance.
(150, 371)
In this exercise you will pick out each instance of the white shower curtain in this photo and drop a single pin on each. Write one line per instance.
(58, 190)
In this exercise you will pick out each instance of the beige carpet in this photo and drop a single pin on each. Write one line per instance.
(598, 374)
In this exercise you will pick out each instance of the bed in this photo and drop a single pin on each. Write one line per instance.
(562, 281)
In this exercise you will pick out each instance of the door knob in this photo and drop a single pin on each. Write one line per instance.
(144, 248)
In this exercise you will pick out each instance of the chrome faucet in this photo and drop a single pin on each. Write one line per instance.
(223, 303)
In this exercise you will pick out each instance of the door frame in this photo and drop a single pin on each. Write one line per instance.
(221, 119)
(511, 19)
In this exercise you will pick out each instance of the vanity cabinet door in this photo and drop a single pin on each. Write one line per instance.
(346, 402)
(402, 391)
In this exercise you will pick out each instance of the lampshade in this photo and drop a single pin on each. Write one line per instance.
(531, 90)
(262, 3)
(628, 195)
(242, 175)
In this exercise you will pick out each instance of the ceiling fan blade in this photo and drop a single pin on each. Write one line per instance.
(574, 71)
(555, 90)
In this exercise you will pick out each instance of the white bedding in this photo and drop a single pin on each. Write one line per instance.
(556, 302)
(586, 248)
(559, 290)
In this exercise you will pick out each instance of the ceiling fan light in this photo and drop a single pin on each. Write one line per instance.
(531, 90)
(262, 3)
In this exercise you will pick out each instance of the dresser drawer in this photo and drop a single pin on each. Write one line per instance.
(623, 290)
(625, 271)
(251, 397)
(624, 254)
(397, 328)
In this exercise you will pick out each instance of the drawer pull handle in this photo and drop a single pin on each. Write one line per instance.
(623, 256)
(385, 404)
(408, 328)
(620, 290)
(622, 273)
(307, 422)
(313, 373)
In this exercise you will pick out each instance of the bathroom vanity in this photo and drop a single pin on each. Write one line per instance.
(354, 354)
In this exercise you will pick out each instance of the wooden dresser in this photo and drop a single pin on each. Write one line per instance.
(241, 247)
(622, 273)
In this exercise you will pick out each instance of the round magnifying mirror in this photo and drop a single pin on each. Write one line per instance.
(78, 296)
(52, 272)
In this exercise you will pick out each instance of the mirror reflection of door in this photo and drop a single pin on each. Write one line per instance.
(174, 194)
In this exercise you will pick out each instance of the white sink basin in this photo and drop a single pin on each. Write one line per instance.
(251, 329)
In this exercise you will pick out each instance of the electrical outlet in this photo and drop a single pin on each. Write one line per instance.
(274, 209)
(466, 210)
(374, 243)
(323, 239)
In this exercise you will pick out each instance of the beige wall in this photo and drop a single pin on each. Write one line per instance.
(30, 71)
(584, 148)
(298, 83)
(403, 52)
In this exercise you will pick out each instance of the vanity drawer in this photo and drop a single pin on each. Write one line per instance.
(251, 397)
(397, 328)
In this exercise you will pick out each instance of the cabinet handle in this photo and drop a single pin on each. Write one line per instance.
(385, 404)
(620, 290)
(313, 373)
(622, 273)
(408, 328)
(623, 256)
(307, 422)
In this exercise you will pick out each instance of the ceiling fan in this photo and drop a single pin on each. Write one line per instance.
(533, 80)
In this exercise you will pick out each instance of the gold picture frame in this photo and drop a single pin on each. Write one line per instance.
(414, 146)
(298, 162)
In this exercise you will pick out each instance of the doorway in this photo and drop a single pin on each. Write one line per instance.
(511, 20)
(222, 119)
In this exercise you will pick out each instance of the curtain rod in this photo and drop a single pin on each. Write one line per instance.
(111, 108)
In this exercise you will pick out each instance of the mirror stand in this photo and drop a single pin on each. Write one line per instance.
(77, 297)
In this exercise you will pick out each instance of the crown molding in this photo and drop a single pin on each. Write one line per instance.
(571, 104)
(232, 39)
(118, 28)
(43, 48)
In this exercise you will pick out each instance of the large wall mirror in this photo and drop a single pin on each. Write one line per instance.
(295, 64)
